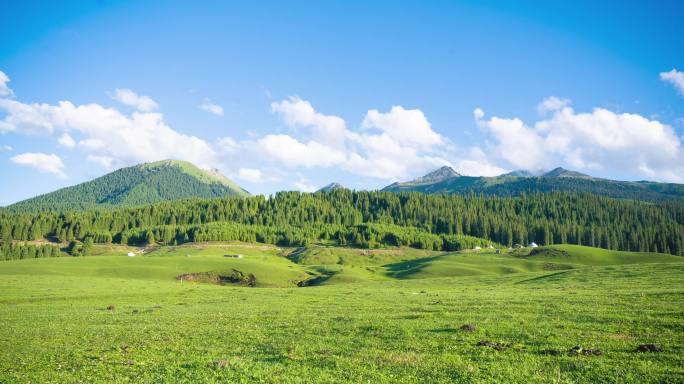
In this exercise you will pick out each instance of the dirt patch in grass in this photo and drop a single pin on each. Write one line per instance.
(579, 351)
(402, 358)
(551, 252)
(492, 344)
(233, 277)
(219, 364)
(619, 336)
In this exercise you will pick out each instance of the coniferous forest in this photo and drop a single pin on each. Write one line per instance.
(372, 219)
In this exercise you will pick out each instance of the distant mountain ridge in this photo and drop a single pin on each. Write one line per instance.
(437, 175)
(520, 173)
(521, 181)
(562, 172)
(140, 184)
(331, 187)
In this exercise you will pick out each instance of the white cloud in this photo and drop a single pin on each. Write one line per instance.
(390, 145)
(5, 148)
(607, 140)
(597, 140)
(140, 137)
(130, 98)
(5, 90)
(66, 140)
(250, 175)
(409, 127)
(42, 162)
(517, 143)
(304, 185)
(105, 162)
(552, 103)
(478, 164)
(327, 129)
(210, 107)
(36, 118)
(228, 144)
(385, 158)
(293, 153)
(675, 77)
(478, 113)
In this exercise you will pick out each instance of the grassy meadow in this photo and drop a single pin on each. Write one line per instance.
(388, 315)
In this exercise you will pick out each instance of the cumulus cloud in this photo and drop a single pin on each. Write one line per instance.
(42, 162)
(106, 132)
(517, 143)
(551, 104)
(105, 162)
(132, 99)
(388, 145)
(477, 163)
(596, 140)
(478, 113)
(407, 127)
(5, 90)
(604, 139)
(293, 153)
(380, 156)
(327, 129)
(304, 185)
(39, 119)
(227, 145)
(210, 107)
(250, 175)
(107, 136)
(66, 140)
(674, 77)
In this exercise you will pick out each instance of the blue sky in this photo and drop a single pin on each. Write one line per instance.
(294, 95)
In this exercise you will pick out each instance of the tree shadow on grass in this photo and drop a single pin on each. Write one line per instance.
(406, 269)
(548, 277)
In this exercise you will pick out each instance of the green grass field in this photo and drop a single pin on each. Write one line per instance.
(391, 315)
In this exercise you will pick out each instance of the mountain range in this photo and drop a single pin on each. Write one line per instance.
(173, 180)
(447, 180)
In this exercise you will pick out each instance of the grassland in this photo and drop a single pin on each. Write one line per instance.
(373, 316)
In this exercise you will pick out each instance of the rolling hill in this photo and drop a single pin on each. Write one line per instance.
(415, 315)
(140, 184)
(446, 180)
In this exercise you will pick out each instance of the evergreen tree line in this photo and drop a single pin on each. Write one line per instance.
(363, 235)
(16, 251)
(560, 217)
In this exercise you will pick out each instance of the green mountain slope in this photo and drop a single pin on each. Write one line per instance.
(139, 184)
(519, 182)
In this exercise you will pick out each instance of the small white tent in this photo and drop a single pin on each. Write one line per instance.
(533, 245)
(131, 254)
